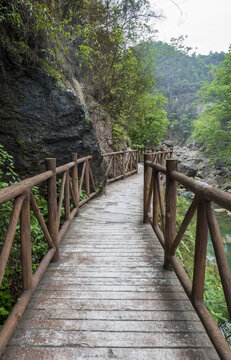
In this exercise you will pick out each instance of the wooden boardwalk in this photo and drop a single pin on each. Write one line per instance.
(109, 297)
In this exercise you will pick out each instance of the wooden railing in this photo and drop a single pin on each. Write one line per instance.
(64, 186)
(24, 202)
(158, 155)
(121, 164)
(164, 226)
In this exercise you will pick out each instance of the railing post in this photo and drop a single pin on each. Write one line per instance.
(87, 179)
(170, 220)
(200, 252)
(155, 204)
(114, 166)
(52, 206)
(147, 184)
(75, 179)
(137, 158)
(219, 250)
(162, 156)
(123, 163)
(25, 237)
(131, 160)
(67, 196)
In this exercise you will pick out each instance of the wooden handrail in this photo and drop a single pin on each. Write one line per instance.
(155, 153)
(210, 193)
(205, 195)
(121, 164)
(15, 190)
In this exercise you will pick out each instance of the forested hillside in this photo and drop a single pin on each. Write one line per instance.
(180, 77)
(213, 127)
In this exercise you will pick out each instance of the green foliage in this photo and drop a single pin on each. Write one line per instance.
(83, 195)
(7, 172)
(6, 299)
(181, 76)
(119, 133)
(150, 122)
(213, 127)
(113, 65)
(213, 294)
(33, 32)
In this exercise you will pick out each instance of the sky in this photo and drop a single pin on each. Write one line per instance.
(207, 23)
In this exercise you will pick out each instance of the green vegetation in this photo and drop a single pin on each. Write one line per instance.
(213, 295)
(181, 76)
(150, 121)
(213, 127)
(32, 33)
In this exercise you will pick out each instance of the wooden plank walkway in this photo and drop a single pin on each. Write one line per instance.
(109, 297)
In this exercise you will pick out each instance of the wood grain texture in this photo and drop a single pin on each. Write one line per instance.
(108, 296)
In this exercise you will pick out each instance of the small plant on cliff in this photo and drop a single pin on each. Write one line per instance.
(7, 172)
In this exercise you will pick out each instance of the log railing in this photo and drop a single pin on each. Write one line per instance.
(160, 211)
(121, 164)
(24, 201)
(158, 156)
(142, 151)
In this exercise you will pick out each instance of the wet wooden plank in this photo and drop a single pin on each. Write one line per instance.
(109, 288)
(44, 353)
(115, 281)
(108, 296)
(76, 338)
(158, 273)
(133, 305)
(148, 326)
(53, 313)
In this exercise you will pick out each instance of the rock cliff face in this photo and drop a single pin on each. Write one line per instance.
(193, 163)
(40, 119)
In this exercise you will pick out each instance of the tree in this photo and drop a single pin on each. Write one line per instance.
(181, 76)
(213, 127)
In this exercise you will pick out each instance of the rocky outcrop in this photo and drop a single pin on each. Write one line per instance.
(101, 123)
(40, 119)
(193, 163)
(188, 169)
(168, 143)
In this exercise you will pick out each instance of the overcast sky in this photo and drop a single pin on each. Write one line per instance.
(206, 22)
